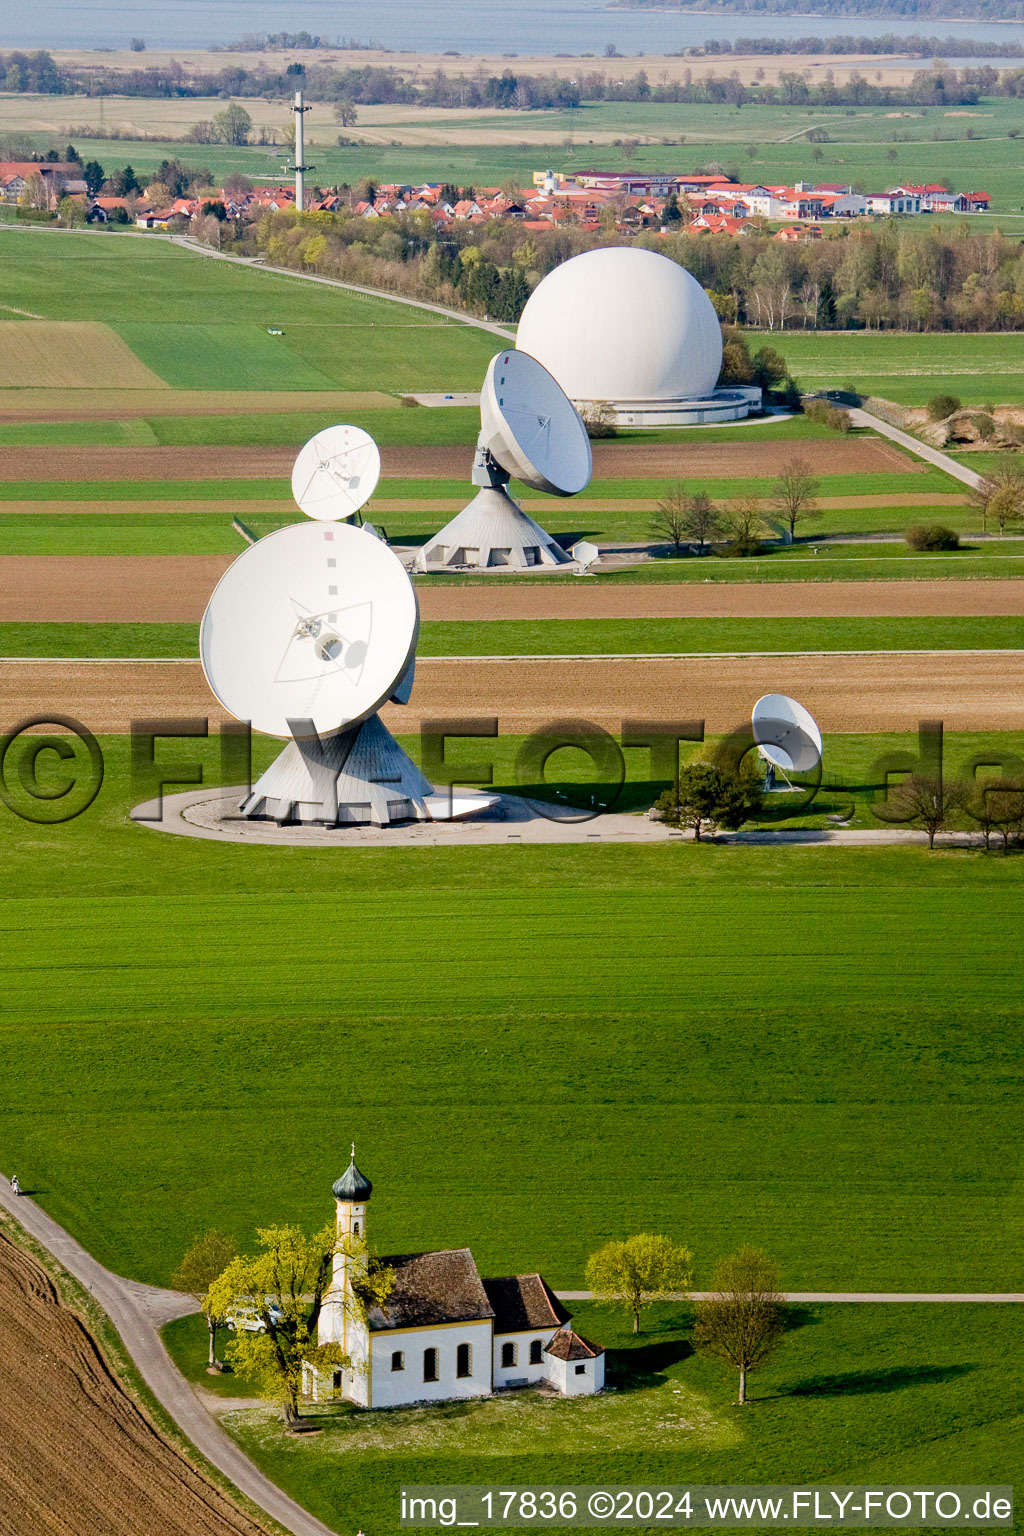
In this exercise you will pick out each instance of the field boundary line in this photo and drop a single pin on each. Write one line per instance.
(138, 1311)
(189, 661)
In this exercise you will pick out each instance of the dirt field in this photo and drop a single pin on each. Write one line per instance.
(979, 691)
(611, 461)
(176, 588)
(77, 1457)
(64, 354)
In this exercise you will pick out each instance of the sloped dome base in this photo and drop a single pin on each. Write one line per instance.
(359, 776)
(492, 533)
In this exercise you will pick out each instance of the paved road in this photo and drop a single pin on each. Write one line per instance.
(137, 1312)
(862, 418)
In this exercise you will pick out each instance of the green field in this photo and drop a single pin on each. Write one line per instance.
(567, 637)
(929, 145)
(856, 1394)
(909, 369)
(332, 339)
(187, 1073)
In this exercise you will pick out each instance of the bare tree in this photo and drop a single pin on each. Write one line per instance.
(670, 520)
(703, 519)
(927, 800)
(796, 490)
(741, 1320)
(1000, 495)
(744, 525)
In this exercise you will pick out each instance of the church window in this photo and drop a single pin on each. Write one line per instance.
(508, 1354)
(464, 1360)
(398, 1360)
(430, 1365)
(536, 1352)
(355, 1229)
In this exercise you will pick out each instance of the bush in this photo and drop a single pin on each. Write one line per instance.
(828, 415)
(932, 536)
(599, 419)
(941, 406)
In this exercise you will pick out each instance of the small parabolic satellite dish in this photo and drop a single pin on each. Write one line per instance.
(336, 473)
(529, 429)
(313, 623)
(786, 734)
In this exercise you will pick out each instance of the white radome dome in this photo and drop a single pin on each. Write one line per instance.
(624, 324)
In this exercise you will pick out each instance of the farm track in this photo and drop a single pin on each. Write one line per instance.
(78, 1457)
(611, 461)
(176, 588)
(845, 691)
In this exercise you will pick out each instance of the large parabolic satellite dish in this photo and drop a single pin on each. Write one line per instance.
(336, 473)
(786, 734)
(531, 428)
(313, 623)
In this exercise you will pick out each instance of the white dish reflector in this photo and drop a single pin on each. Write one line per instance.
(336, 473)
(786, 734)
(311, 623)
(532, 428)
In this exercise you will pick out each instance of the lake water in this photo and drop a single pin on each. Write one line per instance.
(529, 26)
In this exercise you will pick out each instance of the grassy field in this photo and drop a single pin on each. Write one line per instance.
(486, 148)
(555, 637)
(332, 339)
(856, 1394)
(909, 369)
(187, 1074)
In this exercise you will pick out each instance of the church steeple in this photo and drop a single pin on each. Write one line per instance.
(351, 1192)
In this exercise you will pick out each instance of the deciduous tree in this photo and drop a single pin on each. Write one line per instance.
(207, 1258)
(284, 1285)
(741, 1320)
(795, 494)
(926, 800)
(639, 1270)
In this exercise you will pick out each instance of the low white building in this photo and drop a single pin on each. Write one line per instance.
(444, 1333)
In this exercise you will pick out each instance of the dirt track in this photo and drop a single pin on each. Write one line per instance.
(611, 461)
(77, 1457)
(976, 691)
(170, 588)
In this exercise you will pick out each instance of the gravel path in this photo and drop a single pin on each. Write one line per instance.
(934, 456)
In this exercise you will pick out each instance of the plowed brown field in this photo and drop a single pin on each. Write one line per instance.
(969, 691)
(169, 588)
(654, 461)
(77, 1456)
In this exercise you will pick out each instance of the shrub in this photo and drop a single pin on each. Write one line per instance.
(599, 419)
(932, 536)
(941, 406)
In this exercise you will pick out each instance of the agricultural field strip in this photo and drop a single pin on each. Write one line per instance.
(971, 691)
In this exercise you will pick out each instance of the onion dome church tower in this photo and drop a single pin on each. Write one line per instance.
(352, 1192)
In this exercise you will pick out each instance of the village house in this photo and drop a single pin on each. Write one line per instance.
(443, 1333)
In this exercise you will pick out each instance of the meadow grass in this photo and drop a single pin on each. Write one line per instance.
(814, 1048)
(564, 637)
(153, 295)
(922, 1396)
(908, 368)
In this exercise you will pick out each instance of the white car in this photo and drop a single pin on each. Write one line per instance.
(248, 1320)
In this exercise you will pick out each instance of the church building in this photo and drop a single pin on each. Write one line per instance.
(443, 1332)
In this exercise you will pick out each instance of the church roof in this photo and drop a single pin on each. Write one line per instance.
(568, 1345)
(352, 1185)
(521, 1302)
(431, 1288)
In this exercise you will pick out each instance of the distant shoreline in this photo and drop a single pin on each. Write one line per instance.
(734, 12)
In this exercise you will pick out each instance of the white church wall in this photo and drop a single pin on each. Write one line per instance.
(390, 1388)
(521, 1371)
(576, 1378)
